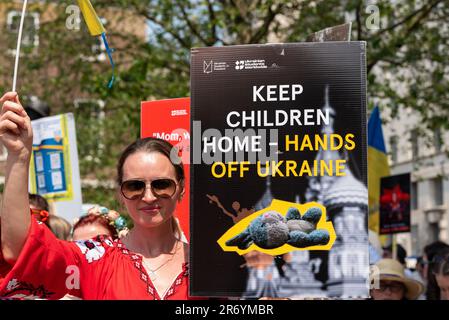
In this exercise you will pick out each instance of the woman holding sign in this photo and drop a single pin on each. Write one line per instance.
(149, 263)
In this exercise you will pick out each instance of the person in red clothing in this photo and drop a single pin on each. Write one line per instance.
(150, 262)
(4, 266)
(39, 207)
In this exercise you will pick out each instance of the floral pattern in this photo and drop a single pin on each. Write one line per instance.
(24, 290)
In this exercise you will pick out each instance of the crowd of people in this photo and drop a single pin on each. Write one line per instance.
(149, 261)
(391, 279)
(96, 221)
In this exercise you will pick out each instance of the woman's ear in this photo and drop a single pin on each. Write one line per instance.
(183, 191)
(182, 195)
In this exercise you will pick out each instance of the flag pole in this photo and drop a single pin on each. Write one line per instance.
(19, 42)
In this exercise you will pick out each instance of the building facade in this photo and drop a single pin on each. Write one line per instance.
(423, 153)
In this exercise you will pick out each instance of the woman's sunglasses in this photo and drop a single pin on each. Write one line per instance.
(394, 287)
(135, 189)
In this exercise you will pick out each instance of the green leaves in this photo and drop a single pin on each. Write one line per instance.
(153, 38)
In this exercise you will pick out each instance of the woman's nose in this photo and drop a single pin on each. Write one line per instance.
(148, 196)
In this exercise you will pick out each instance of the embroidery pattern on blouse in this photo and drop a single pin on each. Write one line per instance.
(183, 275)
(27, 290)
(92, 250)
(137, 262)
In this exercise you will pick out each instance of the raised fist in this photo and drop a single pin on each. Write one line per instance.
(16, 132)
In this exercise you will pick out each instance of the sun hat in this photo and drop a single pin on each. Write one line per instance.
(392, 270)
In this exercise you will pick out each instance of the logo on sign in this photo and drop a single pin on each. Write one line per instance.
(239, 65)
(207, 66)
(181, 112)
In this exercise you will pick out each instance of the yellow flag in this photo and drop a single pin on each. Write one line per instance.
(377, 165)
(377, 168)
(90, 16)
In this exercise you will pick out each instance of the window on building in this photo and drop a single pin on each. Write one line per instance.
(415, 143)
(437, 186)
(89, 119)
(437, 140)
(414, 196)
(30, 34)
(394, 148)
(433, 232)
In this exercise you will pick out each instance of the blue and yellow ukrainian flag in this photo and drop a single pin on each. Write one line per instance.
(377, 166)
(96, 28)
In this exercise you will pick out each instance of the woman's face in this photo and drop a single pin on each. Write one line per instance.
(443, 284)
(388, 290)
(149, 211)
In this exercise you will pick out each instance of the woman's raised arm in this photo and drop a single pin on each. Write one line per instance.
(17, 136)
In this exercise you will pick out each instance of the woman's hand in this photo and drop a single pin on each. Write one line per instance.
(16, 133)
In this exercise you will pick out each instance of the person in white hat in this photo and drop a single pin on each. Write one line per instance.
(389, 282)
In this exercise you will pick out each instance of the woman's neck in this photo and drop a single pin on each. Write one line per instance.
(151, 242)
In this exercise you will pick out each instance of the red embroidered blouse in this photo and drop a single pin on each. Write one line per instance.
(4, 267)
(95, 269)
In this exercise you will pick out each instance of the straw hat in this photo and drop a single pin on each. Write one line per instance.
(392, 270)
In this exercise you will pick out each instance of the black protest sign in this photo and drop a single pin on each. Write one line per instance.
(394, 204)
(274, 124)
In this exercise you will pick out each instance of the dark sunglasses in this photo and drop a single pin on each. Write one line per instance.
(394, 287)
(135, 189)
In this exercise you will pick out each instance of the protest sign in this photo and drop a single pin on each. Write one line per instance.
(54, 171)
(394, 204)
(279, 126)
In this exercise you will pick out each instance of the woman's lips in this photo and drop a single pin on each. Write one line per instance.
(153, 209)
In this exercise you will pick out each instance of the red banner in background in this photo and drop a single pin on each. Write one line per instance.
(170, 120)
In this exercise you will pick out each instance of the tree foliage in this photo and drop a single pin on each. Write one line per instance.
(407, 59)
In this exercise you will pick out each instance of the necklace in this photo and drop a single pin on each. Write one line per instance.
(152, 272)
